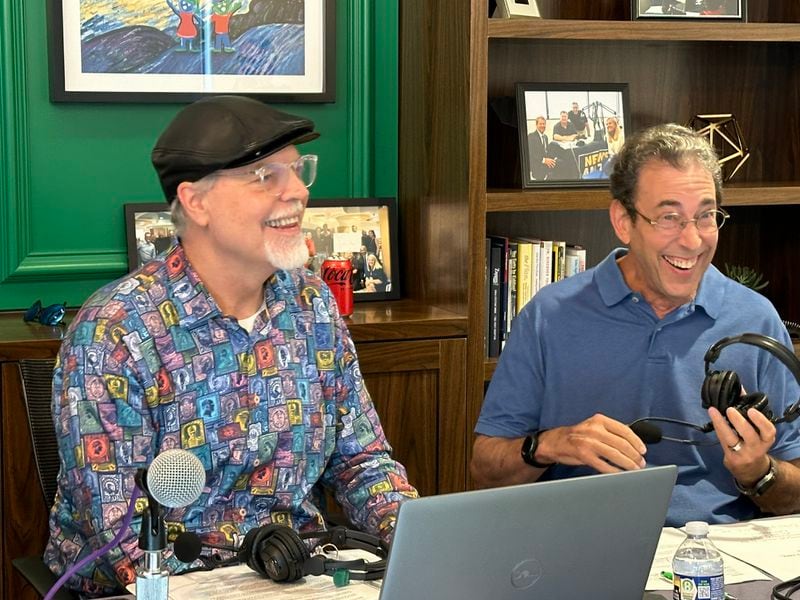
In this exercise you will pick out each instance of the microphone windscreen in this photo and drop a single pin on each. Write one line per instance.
(647, 432)
(175, 478)
(187, 547)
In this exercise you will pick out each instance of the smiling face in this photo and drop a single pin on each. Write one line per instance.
(611, 126)
(246, 227)
(541, 124)
(667, 267)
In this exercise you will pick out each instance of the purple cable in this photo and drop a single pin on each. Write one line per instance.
(126, 522)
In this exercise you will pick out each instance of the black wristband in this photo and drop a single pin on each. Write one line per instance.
(528, 451)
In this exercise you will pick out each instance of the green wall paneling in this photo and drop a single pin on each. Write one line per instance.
(67, 169)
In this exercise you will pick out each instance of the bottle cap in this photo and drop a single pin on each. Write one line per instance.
(697, 528)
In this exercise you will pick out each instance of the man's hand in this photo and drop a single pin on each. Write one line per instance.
(598, 442)
(549, 162)
(745, 445)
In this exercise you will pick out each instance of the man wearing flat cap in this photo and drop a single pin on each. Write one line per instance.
(226, 336)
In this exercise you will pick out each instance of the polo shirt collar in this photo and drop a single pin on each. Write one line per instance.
(613, 289)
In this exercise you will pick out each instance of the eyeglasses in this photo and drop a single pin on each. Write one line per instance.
(706, 222)
(49, 315)
(275, 176)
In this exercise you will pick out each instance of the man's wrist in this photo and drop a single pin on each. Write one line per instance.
(760, 487)
(528, 451)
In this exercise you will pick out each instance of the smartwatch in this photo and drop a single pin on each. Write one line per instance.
(762, 485)
(529, 446)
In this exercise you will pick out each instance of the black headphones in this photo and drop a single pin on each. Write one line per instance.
(279, 553)
(722, 389)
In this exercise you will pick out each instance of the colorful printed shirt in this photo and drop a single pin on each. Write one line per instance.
(150, 363)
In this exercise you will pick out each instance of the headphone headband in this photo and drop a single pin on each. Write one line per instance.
(771, 345)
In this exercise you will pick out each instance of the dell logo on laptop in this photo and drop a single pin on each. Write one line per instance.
(526, 573)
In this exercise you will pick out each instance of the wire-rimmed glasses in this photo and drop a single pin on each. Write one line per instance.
(707, 221)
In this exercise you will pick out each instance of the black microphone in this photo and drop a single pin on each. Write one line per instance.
(187, 547)
(647, 432)
(652, 434)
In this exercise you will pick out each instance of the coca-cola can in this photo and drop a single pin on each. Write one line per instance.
(338, 274)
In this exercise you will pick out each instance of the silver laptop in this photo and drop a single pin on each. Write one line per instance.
(588, 537)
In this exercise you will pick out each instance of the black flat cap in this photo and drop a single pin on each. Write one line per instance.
(223, 132)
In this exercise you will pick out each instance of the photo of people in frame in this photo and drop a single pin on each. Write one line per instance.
(150, 232)
(691, 9)
(569, 133)
(361, 231)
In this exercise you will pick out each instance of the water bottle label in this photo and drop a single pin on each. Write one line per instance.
(698, 588)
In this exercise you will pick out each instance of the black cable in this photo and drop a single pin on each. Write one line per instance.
(789, 587)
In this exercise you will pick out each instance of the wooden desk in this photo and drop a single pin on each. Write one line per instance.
(413, 360)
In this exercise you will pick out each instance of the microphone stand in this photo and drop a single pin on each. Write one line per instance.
(152, 582)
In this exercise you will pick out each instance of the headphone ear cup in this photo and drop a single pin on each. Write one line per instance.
(249, 551)
(282, 554)
(721, 389)
(757, 400)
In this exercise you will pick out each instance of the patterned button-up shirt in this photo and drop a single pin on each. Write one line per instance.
(150, 363)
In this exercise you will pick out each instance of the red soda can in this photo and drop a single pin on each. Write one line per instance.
(338, 274)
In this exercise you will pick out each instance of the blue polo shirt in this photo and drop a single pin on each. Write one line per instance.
(588, 344)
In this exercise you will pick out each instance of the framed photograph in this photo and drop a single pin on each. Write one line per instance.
(182, 50)
(148, 230)
(569, 132)
(516, 8)
(363, 230)
(732, 10)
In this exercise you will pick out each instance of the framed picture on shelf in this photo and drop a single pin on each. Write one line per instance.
(516, 8)
(569, 132)
(182, 50)
(149, 231)
(363, 230)
(732, 10)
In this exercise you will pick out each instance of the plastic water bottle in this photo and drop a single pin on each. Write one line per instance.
(697, 566)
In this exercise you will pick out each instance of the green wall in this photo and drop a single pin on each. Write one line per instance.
(67, 169)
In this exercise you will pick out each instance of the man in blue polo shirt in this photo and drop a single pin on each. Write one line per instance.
(627, 339)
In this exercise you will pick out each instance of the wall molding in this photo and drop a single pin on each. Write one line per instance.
(20, 261)
(359, 94)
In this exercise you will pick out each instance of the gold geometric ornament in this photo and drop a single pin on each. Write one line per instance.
(725, 136)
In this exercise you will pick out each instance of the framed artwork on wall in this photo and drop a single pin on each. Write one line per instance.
(363, 230)
(731, 10)
(148, 230)
(181, 50)
(569, 132)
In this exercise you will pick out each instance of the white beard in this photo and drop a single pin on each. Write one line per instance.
(290, 255)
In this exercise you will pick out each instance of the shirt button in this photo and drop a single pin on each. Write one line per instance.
(636, 299)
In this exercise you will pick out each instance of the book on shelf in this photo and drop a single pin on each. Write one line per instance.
(525, 280)
(511, 297)
(487, 295)
(495, 297)
(578, 254)
(545, 264)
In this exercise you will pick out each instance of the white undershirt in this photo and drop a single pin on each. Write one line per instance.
(248, 322)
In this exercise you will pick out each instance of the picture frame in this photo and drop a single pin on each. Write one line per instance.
(573, 150)
(143, 220)
(517, 8)
(155, 52)
(343, 227)
(730, 10)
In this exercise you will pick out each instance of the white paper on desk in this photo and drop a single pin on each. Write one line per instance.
(240, 582)
(772, 544)
(735, 570)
